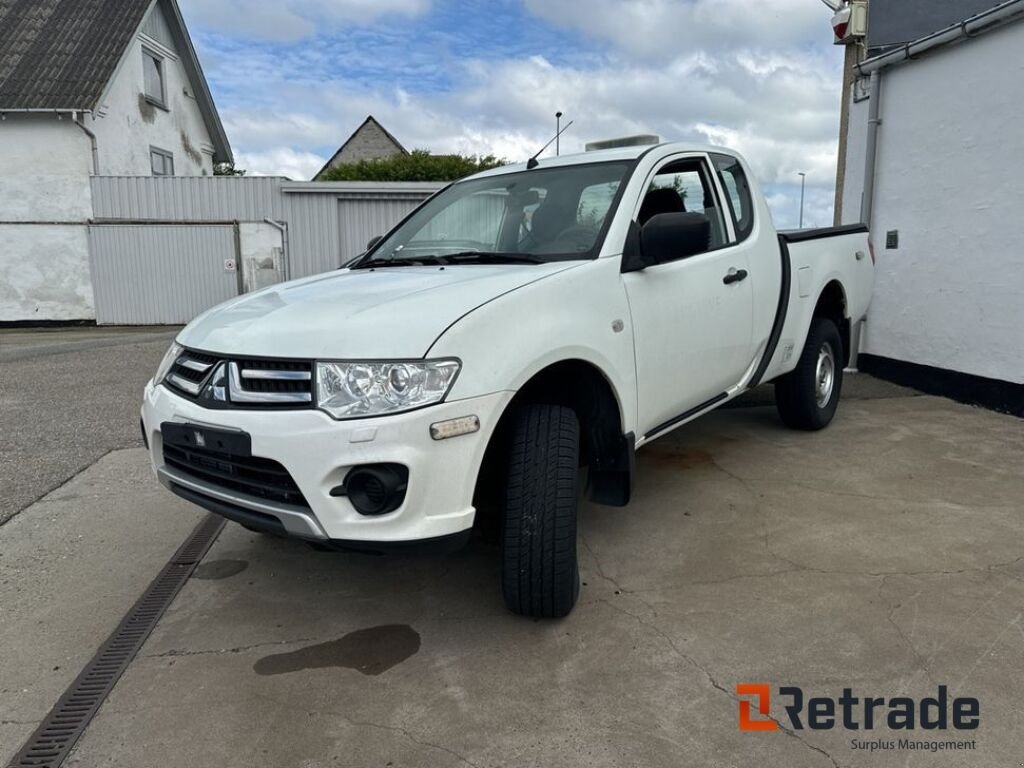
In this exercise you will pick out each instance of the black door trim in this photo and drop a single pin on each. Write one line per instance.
(686, 414)
(780, 314)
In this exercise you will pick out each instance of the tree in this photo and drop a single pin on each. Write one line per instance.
(227, 169)
(418, 165)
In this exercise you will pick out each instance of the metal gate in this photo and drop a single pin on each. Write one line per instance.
(161, 274)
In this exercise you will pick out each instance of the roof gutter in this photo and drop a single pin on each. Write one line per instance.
(43, 110)
(982, 22)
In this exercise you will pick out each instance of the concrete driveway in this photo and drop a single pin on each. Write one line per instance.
(883, 554)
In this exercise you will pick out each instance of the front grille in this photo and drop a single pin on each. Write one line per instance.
(222, 382)
(251, 475)
(275, 375)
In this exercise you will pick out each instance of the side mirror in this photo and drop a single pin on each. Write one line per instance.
(667, 237)
(373, 241)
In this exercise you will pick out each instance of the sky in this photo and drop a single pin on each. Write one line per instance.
(293, 78)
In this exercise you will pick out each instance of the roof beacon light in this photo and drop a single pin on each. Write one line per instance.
(640, 140)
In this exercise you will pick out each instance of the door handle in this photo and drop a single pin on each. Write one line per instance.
(735, 276)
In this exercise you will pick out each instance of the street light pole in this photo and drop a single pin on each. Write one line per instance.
(803, 181)
(558, 131)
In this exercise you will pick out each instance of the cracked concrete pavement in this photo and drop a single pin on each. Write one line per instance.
(883, 554)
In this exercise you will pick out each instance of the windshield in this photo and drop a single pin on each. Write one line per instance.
(554, 214)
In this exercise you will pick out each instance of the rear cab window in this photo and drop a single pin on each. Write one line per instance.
(737, 193)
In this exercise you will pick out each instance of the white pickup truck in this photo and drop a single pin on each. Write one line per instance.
(523, 329)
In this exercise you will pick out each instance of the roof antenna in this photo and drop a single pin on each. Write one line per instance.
(532, 162)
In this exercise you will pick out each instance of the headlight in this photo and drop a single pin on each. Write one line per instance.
(350, 390)
(165, 365)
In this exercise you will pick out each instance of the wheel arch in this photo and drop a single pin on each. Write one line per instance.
(832, 304)
(606, 451)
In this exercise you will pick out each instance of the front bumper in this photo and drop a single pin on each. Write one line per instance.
(318, 452)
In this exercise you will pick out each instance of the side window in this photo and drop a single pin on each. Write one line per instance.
(741, 203)
(153, 77)
(685, 186)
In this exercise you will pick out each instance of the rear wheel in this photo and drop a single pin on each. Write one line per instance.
(540, 575)
(808, 396)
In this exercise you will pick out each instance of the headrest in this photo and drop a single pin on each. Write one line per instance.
(663, 200)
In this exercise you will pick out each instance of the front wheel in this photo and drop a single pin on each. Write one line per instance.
(808, 396)
(539, 573)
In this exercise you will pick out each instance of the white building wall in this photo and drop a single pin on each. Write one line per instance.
(45, 200)
(130, 124)
(45, 164)
(949, 175)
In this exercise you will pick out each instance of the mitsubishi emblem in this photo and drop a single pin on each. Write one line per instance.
(200, 440)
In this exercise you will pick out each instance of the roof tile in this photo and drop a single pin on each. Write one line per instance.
(59, 54)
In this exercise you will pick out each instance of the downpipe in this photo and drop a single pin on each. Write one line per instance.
(871, 151)
(79, 119)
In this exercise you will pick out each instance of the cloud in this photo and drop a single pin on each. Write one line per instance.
(280, 161)
(662, 29)
(763, 79)
(293, 20)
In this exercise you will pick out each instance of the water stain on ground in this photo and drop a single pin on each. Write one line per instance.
(678, 458)
(675, 454)
(369, 651)
(220, 569)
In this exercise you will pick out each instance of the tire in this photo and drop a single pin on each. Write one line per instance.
(539, 573)
(800, 395)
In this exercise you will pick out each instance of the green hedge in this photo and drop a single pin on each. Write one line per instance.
(418, 165)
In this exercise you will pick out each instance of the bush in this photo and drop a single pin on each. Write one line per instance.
(418, 165)
(227, 169)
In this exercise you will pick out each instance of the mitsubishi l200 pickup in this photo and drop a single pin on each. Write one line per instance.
(505, 349)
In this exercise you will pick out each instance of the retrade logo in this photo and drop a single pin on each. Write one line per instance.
(761, 694)
(854, 713)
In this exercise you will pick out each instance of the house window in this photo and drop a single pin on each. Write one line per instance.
(161, 161)
(153, 77)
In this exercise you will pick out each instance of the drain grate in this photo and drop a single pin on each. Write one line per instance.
(60, 730)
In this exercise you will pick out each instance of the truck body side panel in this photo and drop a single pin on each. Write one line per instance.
(816, 261)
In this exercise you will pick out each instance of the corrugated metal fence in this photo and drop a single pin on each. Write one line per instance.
(161, 274)
(154, 236)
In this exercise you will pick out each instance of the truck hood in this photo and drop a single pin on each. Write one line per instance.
(394, 312)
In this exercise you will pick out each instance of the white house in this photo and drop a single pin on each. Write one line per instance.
(933, 162)
(92, 87)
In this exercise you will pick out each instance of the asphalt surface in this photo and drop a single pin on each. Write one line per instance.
(67, 397)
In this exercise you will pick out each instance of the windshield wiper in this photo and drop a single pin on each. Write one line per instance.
(462, 257)
(411, 261)
(493, 257)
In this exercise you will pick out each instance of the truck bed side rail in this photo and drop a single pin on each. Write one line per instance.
(802, 235)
